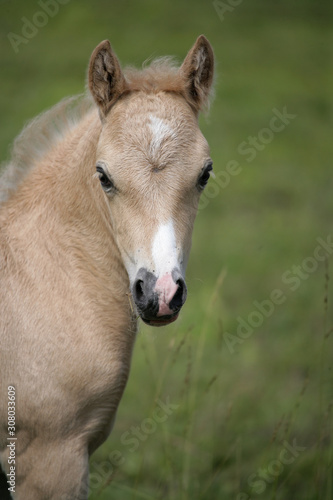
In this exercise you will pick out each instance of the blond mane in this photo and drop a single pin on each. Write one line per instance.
(37, 138)
(162, 74)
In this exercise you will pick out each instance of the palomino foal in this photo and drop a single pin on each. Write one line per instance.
(95, 222)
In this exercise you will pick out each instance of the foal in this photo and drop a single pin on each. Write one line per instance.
(95, 230)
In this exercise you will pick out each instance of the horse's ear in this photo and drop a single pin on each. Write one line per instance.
(105, 77)
(197, 71)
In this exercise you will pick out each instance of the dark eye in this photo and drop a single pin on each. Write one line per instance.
(204, 176)
(105, 181)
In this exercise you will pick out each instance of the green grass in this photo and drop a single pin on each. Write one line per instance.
(235, 409)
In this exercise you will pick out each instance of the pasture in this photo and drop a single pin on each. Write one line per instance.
(234, 400)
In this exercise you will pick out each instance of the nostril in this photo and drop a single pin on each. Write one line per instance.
(180, 296)
(139, 293)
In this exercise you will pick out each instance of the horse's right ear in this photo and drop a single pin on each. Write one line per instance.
(197, 72)
(105, 77)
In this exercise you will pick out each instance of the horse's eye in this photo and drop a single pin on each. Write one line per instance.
(204, 176)
(105, 181)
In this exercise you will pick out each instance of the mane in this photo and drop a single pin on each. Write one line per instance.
(161, 75)
(47, 129)
(37, 137)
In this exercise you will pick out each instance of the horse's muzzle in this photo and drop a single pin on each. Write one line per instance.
(159, 300)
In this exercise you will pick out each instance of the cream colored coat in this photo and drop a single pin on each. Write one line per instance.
(71, 250)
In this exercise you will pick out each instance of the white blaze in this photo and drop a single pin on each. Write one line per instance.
(164, 250)
(161, 131)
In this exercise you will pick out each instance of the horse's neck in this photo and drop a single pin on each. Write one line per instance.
(62, 201)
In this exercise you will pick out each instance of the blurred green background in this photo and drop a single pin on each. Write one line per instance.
(249, 408)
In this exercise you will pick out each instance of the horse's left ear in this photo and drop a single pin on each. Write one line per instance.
(197, 71)
(105, 77)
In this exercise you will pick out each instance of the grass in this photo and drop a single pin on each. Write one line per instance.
(236, 409)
